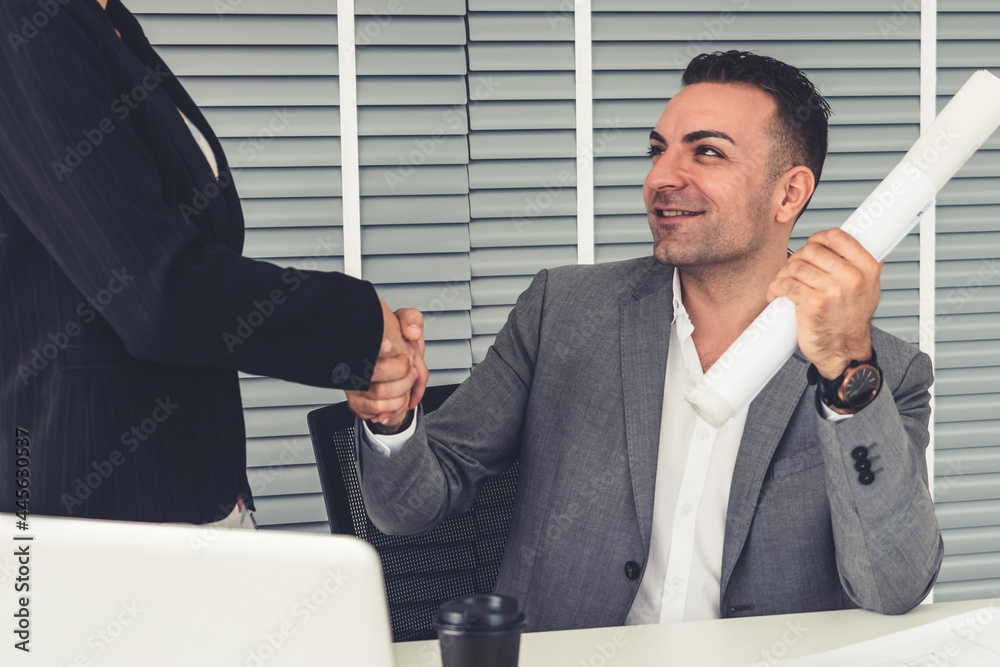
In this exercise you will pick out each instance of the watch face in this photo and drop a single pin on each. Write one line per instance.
(860, 385)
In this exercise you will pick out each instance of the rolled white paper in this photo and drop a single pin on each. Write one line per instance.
(884, 218)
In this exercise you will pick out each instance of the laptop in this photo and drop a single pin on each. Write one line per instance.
(105, 593)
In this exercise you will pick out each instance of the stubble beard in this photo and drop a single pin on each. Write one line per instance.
(713, 248)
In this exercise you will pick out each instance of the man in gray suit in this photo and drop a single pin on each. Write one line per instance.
(629, 507)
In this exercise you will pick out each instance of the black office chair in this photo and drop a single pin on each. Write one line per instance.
(460, 557)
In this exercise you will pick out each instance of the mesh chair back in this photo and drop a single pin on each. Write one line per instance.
(458, 558)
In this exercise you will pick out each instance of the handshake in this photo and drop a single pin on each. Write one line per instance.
(400, 374)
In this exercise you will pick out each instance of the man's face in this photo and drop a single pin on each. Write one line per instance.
(708, 194)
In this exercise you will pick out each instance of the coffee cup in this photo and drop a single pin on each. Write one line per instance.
(479, 631)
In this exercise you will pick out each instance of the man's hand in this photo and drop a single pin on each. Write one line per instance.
(400, 374)
(834, 283)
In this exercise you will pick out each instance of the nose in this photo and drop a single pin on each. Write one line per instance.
(666, 173)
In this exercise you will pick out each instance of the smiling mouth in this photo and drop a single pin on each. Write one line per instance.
(661, 213)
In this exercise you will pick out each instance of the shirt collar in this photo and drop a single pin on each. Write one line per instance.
(682, 321)
(679, 309)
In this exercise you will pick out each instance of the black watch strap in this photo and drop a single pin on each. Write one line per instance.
(852, 390)
(382, 429)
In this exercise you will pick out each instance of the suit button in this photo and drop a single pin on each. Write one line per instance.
(864, 465)
(859, 453)
(632, 570)
(340, 373)
(866, 477)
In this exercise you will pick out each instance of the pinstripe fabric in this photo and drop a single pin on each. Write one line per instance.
(126, 308)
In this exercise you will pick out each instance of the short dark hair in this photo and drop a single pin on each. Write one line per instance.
(800, 129)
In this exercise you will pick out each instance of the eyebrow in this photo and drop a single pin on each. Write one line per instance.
(692, 137)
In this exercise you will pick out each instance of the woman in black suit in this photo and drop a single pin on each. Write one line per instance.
(126, 307)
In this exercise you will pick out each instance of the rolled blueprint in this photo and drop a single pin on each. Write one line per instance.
(879, 224)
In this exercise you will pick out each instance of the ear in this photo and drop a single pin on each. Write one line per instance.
(792, 192)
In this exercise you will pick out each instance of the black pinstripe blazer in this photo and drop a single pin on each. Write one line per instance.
(126, 308)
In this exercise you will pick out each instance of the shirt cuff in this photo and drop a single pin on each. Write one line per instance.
(830, 415)
(387, 445)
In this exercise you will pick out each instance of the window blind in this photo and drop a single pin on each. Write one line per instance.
(967, 412)
(413, 126)
(522, 148)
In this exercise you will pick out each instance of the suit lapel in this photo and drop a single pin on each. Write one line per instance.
(766, 422)
(645, 327)
(228, 217)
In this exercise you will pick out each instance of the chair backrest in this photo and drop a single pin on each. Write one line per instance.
(460, 557)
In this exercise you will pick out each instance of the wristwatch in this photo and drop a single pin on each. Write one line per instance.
(852, 390)
(382, 429)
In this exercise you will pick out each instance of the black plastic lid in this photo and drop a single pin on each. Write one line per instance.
(479, 612)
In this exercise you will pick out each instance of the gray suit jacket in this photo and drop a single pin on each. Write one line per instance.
(573, 386)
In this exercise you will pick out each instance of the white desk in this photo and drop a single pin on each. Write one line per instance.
(704, 643)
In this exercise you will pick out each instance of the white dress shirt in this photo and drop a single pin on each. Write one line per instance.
(203, 144)
(694, 468)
